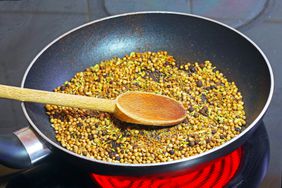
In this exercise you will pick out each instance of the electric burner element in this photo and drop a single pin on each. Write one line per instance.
(215, 174)
(231, 12)
(244, 167)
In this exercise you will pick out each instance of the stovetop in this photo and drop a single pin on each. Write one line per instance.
(27, 26)
(249, 164)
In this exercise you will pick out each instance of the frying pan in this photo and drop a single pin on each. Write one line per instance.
(188, 38)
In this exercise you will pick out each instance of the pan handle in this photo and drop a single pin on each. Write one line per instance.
(22, 149)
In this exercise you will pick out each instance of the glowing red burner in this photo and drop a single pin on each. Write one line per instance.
(215, 174)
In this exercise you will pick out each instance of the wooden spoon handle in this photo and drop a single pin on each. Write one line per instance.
(61, 99)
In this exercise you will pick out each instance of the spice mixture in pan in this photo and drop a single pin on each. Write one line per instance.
(215, 110)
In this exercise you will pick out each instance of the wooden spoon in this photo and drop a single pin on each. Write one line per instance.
(132, 107)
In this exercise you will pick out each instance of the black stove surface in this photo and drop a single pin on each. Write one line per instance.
(26, 26)
(57, 173)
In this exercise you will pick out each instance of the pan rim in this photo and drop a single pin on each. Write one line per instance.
(216, 149)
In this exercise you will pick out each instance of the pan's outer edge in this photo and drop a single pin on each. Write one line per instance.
(259, 117)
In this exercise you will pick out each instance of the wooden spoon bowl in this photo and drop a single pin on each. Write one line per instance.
(149, 109)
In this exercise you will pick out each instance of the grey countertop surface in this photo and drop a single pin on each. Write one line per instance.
(27, 26)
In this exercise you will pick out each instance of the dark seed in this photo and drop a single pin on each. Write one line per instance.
(168, 86)
(79, 124)
(181, 148)
(204, 98)
(171, 152)
(190, 109)
(186, 121)
(114, 144)
(110, 82)
(238, 129)
(196, 114)
(154, 75)
(192, 69)
(204, 111)
(62, 118)
(221, 136)
(220, 84)
(118, 158)
(63, 88)
(197, 142)
(56, 115)
(199, 83)
(90, 137)
(104, 133)
(191, 143)
(126, 134)
(202, 65)
(112, 154)
(208, 140)
(189, 73)
(166, 64)
(213, 131)
(191, 135)
(136, 84)
(213, 87)
(93, 113)
(79, 136)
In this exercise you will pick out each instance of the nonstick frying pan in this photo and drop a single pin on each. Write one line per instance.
(186, 37)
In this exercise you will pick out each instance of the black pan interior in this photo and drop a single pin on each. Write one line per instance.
(186, 38)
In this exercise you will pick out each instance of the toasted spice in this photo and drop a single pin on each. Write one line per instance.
(199, 83)
(215, 110)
